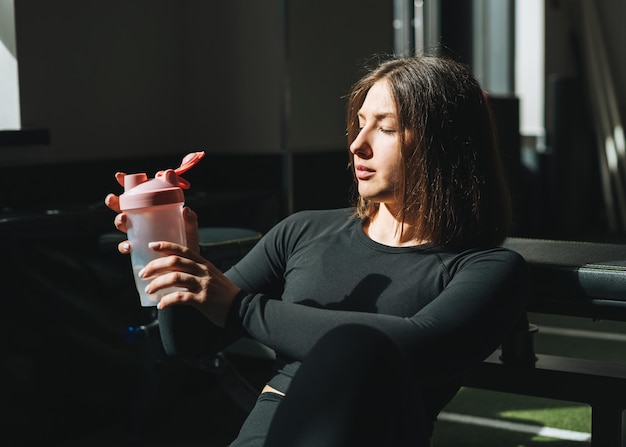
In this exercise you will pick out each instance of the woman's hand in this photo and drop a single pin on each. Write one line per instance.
(207, 289)
(189, 216)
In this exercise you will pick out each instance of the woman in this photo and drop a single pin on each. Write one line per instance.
(415, 268)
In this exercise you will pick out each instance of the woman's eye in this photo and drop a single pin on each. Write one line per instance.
(387, 131)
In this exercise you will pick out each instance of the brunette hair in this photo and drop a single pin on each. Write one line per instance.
(452, 188)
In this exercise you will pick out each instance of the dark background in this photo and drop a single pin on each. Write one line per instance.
(133, 86)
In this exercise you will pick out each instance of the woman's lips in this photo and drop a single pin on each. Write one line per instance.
(363, 173)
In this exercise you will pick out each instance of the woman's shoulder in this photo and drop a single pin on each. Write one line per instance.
(308, 224)
(494, 257)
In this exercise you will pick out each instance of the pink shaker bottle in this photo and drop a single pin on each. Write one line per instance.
(154, 210)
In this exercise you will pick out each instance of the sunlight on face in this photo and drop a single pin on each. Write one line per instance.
(376, 149)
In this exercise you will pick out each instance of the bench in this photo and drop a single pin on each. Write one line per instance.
(580, 279)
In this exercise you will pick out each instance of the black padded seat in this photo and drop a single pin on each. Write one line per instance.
(575, 278)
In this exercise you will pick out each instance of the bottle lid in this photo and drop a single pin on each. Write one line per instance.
(165, 188)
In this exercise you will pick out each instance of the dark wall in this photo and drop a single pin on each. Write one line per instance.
(114, 79)
(134, 86)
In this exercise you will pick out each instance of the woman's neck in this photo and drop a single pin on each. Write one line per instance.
(386, 229)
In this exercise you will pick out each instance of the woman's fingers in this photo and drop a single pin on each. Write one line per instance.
(113, 202)
(191, 228)
(174, 263)
(120, 222)
(119, 176)
(175, 259)
(124, 247)
(179, 272)
(170, 248)
(200, 283)
(181, 280)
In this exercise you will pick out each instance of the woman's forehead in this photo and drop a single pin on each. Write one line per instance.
(379, 101)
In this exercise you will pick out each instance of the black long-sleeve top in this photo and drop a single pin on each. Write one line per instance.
(446, 309)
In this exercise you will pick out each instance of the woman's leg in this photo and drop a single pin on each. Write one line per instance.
(254, 429)
(354, 389)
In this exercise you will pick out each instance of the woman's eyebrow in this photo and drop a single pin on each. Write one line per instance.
(379, 115)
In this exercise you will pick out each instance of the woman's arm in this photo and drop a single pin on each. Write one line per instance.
(464, 324)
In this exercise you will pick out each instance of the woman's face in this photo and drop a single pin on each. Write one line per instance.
(376, 149)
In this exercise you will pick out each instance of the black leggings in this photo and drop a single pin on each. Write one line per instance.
(353, 389)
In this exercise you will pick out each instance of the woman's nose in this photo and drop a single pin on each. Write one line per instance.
(360, 146)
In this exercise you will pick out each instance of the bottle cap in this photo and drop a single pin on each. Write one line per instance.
(165, 188)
